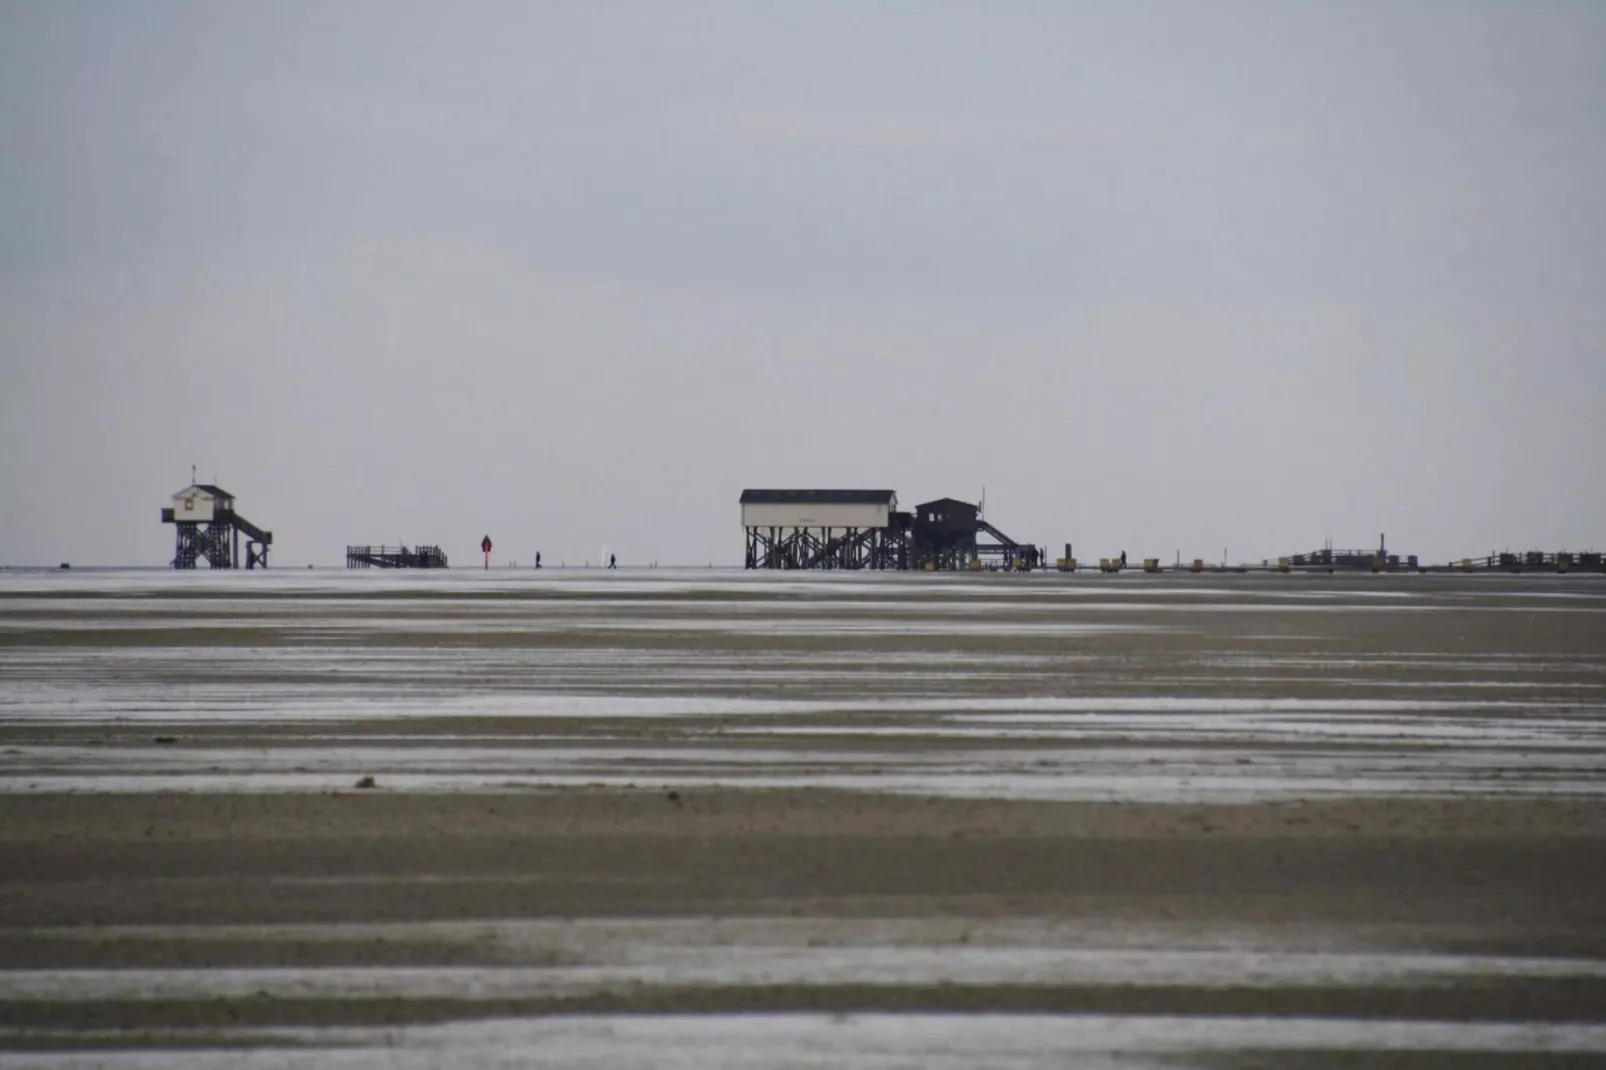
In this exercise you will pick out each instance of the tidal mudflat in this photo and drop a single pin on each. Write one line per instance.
(706, 818)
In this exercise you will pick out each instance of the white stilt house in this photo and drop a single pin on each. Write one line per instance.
(208, 527)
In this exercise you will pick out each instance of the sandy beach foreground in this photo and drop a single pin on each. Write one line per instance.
(708, 821)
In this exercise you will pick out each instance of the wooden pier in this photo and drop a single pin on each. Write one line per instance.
(395, 557)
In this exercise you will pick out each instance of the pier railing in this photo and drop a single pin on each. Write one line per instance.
(395, 557)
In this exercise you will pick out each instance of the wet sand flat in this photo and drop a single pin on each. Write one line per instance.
(844, 807)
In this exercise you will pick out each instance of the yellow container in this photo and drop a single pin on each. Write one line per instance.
(1377, 564)
(1151, 564)
(1466, 564)
(1284, 565)
(1198, 564)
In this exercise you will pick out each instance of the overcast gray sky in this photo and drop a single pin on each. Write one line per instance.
(1160, 276)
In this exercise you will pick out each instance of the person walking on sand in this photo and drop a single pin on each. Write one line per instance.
(613, 561)
(1123, 559)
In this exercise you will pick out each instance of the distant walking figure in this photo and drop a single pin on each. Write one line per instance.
(613, 562)
(1123, 559)
(538, 559)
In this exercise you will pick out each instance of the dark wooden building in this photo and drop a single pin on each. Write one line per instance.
(944, 534)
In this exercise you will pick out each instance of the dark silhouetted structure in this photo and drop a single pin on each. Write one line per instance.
(395, 557)
(863, 529)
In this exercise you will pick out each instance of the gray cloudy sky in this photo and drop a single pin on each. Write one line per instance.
(1161, 276)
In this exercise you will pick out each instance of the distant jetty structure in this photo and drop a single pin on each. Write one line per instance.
(864, 529)
(395, 557)
(208, 527)
(818, 529)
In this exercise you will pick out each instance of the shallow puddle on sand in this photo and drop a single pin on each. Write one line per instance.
(224, 703)
(645, 964)
(850, 1041)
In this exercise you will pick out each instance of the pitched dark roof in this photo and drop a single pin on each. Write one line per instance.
(924, 506)
(211, 488)
(839, 497)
